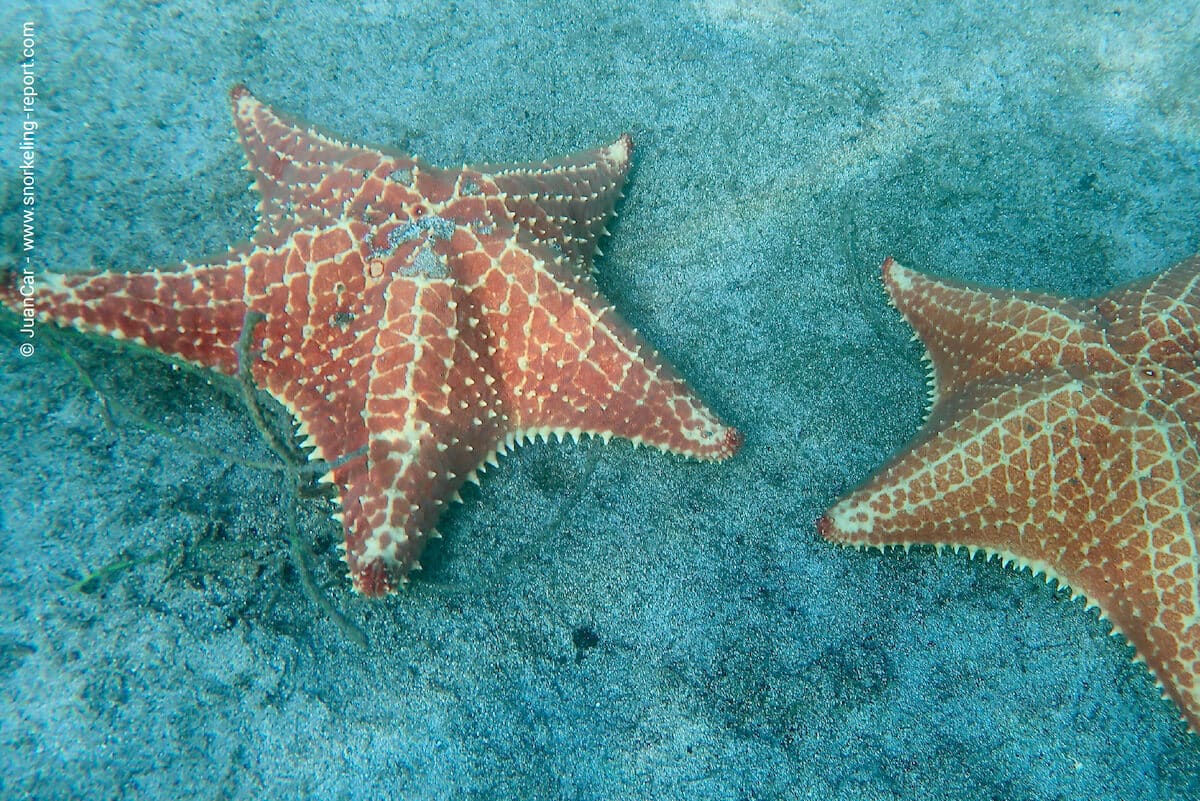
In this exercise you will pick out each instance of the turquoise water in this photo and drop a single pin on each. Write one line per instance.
(599, 621)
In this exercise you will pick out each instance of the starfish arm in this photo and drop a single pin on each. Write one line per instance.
(964, 473)
(433, 416)
(620, 387)
(300, 172)
(1055, 475)
(976, 334)
(194, 312)
(566, 203)
(569, 364)
(1156, 319)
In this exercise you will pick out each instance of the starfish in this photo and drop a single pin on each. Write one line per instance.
(1064, 436)
(424, 319)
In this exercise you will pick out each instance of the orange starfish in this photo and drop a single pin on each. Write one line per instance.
(1063, 437)
(428, 318)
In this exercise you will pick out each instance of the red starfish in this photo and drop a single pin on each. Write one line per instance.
(430, 318)
(1064, 437)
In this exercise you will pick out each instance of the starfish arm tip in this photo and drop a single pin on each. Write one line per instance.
(732, 443)
(825, 528)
